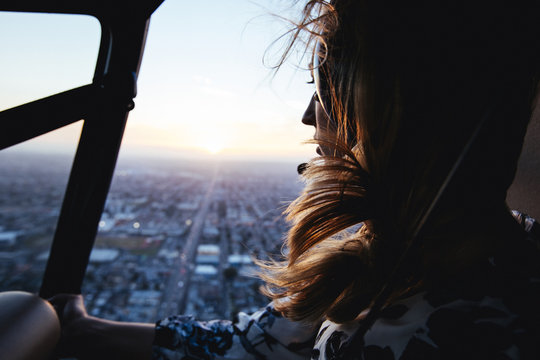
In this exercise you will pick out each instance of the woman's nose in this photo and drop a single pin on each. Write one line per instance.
(309, 115)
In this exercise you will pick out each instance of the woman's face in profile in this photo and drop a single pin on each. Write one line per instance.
(317, 117)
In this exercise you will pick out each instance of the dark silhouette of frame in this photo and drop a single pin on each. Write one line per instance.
(104, 106)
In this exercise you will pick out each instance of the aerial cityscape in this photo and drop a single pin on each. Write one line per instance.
(175, 237)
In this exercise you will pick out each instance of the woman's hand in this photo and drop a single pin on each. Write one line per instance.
(89, 337)
(69, 308)
(75, 323)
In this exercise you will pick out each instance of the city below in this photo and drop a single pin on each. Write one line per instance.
(175, 237)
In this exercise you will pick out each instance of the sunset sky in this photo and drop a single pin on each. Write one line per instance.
(202, 91)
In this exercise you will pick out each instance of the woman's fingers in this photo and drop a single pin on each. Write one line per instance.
(68, 307)
(60, 300)
(72, 314)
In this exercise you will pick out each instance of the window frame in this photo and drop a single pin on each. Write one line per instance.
(104, 106)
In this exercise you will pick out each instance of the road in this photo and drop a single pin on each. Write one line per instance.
(175, 295)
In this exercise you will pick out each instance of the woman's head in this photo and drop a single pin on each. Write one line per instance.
(403, 77)
(408, 84)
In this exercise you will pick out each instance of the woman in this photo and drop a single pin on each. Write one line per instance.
(420, 113)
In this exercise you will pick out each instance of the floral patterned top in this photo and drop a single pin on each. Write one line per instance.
(493, 313)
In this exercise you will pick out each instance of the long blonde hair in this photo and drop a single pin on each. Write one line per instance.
(409, 102)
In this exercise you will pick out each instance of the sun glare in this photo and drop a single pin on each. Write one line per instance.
(213, 140)
(213, 148)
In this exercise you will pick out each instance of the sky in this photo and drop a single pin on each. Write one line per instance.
(203, 89)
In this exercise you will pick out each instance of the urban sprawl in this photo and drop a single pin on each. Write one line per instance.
(175, 237)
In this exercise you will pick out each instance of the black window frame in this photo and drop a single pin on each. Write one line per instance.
(104, 106)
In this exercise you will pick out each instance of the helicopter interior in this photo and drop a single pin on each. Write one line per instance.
(104, 106)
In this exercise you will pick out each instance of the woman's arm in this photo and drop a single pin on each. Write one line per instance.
(89, 337)
(264, 334)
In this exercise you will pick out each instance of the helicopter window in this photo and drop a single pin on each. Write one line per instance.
(207, 164)
(34, 177)
(44, 54)
(206, 155)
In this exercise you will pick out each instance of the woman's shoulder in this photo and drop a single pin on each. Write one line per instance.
(421, 327)
(491, 313)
